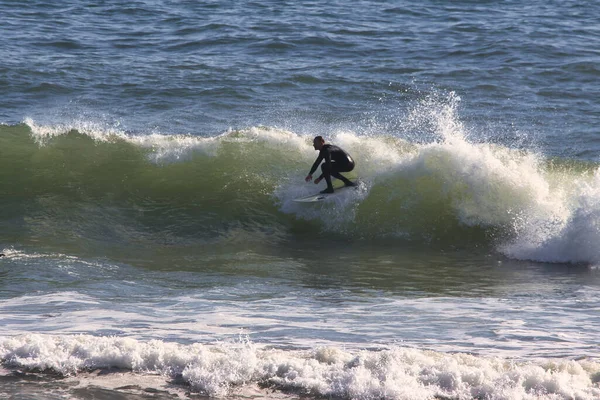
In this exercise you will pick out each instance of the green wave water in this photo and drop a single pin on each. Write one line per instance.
(88, 186)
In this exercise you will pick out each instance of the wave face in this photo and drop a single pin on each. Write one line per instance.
(84, 183)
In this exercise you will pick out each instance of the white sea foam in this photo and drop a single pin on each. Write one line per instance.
(550, 218)
(41, 133)
(395, 373)
(572, 236)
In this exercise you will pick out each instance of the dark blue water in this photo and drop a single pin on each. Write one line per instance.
(201, 67)
(150, 153)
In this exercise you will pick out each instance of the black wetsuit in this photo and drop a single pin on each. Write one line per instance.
(336, 161)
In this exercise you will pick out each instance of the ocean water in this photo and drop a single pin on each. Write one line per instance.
(150, 152)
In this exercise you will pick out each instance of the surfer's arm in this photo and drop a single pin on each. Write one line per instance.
(324, 154)
(327, 156)
(316, 164)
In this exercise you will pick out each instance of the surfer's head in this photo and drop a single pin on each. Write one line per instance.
(318, 142)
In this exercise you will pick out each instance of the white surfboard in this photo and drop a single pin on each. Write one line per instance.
(313, 198)
(317, 197)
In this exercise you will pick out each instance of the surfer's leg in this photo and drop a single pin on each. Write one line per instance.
(327, 175)
(342, 168)
(342, 178)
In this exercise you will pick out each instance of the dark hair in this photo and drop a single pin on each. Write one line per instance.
(319, 139)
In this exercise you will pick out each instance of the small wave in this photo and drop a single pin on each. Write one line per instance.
(393, 373)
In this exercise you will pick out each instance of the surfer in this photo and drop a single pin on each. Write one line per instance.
(336, 161)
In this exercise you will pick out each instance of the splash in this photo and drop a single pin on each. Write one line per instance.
(569, 236)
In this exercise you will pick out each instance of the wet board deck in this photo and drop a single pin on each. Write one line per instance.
(317, 197)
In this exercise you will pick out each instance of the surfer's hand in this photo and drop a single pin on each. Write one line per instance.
(318, 180)
(308, 178)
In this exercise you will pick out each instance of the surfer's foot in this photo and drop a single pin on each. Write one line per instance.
(328, 190)
(349, 183)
